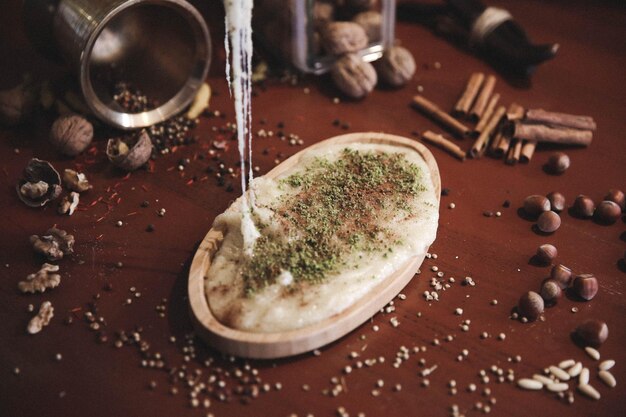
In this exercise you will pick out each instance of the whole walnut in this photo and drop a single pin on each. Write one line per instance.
(342, 37)
(396, 67)
(17, 103)
(371, 22)
(353, 76)
(71, 134)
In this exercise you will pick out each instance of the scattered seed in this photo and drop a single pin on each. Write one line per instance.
(543, 379)
(575, 370)
(559, 373)
(557, 387)
(606, 365)
(589, 391)
(593, 353)
(458, 311)
(607, 378)
(583, 378)
(530, 384)
(567, 363)
(501, 336)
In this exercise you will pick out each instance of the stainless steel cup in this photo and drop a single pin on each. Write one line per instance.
(162, 47)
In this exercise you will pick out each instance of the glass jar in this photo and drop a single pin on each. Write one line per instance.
(293, 30)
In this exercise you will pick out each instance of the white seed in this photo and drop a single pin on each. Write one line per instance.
(589, 391)
(583, 378)
(593, 353)
(557, 387)
(528, 383)
(606, 365)
(574, 371)
(458, 311)
(543, 379)
(559, 373)
(567, 363)
(607, 378)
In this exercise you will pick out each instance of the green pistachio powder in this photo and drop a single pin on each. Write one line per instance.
(334, 210)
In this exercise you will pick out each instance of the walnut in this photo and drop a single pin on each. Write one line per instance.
(371, 22)
(69, 203)
(396, 67)
(54, 244)
(130, 153)
(75, 181)
(323, 12)
(71, 134)
(40, 183)
(355, 77)
(18, 103)
(42, 319)
(41, 280)
(343, 37)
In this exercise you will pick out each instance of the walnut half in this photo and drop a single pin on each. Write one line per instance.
(42, 319)
(54, 244)
(41, 280)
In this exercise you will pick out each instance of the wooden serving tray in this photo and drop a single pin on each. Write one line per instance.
(281, 344)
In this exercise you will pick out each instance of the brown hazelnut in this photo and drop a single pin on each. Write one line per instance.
(71, 134)
(592, 332)
(343, 37)
(40, 184)
(534, 205)
(551, 291)
(548, 222)
(617, 196)
(561, 274)
(130, 153)
(18, 103)
(546, 253)
(396, 66)
(608, 212)
(584, 206)
(586, 286)
(557, 201)
(371, 21)
(530, 305)
(353, 76)
(558, 163)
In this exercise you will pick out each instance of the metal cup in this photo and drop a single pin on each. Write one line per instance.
(162, 47)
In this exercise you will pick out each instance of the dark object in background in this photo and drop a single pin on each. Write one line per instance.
(490, 32)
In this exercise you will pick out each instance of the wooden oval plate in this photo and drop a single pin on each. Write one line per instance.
(288, 343)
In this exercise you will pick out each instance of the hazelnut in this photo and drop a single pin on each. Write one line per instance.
(584, 206)
(40, 184)
(371, 21)
(558, 163)
(530, 305)
(608, 212)
(551, 291)
(71, 134)
(561, 274)
(343, 37)
(534, 205)
(586, 286)
(592, 332)
(18, 103)
(130, 153)
(548, 222)
(546, 253)
(557, 201)
(353, 76)
(396, 66)
(617, 196)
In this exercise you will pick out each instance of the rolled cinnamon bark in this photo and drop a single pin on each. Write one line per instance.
(560, 119)
(515, 112)
(487, 113)
(434, 112)
(444, 143)
(528, 149)
(543, 133)
(481, 143)
(469, 94)
(514, 152)
(503, 146)
(494, 144)
(483, 98)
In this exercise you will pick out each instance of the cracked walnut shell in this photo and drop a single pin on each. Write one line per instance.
(130, 153)
(40, 184)
(353, 76)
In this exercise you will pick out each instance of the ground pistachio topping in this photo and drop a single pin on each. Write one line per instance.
(331, 211)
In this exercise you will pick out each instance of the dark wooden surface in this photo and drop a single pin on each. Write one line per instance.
(587, 77)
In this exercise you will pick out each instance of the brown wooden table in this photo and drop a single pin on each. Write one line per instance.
(98, 379)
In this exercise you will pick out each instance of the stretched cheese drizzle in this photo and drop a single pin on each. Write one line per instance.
(238, 44)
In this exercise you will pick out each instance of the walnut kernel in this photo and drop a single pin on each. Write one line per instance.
(54, 244)
(69, 203)
(75, 181)
(40, 183)
(42, 319)
(41, 280)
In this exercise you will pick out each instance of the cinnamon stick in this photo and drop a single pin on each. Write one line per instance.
(561, 135)
(483, 98)
(444, 143)
(515, 112)
(487, 113)
(481, 143)
(528, 149)
(495, 143)
(469, 94)
(503, 146)
(514, 152)
(560, 119)
(434, 112)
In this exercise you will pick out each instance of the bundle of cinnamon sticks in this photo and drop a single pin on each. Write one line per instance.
(512, 133)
